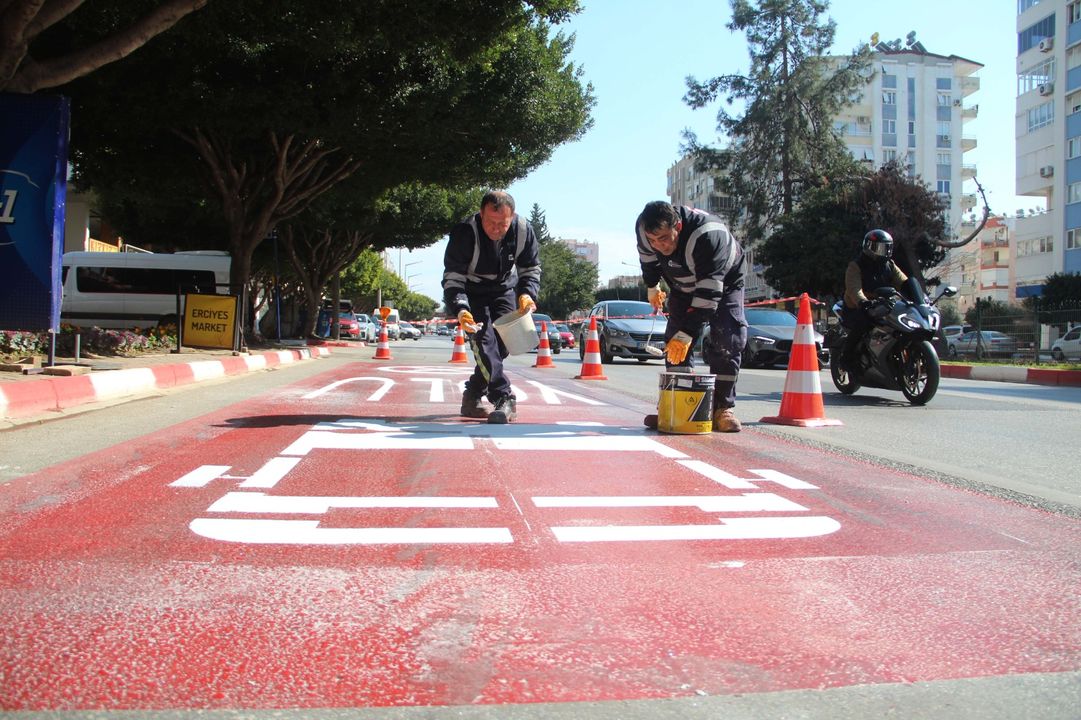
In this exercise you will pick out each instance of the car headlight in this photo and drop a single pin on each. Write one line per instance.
(618, 332)
(762, 340)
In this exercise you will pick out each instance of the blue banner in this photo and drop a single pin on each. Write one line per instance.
(33, 188)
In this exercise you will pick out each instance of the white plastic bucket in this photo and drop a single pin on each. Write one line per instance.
(517, 332)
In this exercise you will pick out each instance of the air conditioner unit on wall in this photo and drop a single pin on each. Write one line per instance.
(1047, 44)
(1047, 171)
(1046, 88)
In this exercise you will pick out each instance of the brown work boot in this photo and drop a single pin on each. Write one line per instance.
(471, 405)
(725, 420)
(650, 421)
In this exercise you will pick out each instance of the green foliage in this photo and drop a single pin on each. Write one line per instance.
(783, 145)
(540, 225)
(1061, 291)
(811, 246)
(567, 281)
(249, 112)
(18, 343)
(949, 314)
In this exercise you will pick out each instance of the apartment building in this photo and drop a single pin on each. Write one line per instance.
(584, 249)
(983, 268)
(913, 109)
(1048, 130)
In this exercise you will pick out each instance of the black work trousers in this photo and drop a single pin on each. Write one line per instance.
(488, 349)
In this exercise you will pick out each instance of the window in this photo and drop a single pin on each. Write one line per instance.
(1073, 193)
(943, 158)
(1073, 12)
(1029, 80)
(911, 127)
(1031, 36)
(1073, 239)
(1073, 147)
(1035, 246)
(943, 83)
(889, 97)
(889, 156)
(1023, 5)
(942, 187)
(1041, 115)
(943, 128)
(944, 99)
(889, 127)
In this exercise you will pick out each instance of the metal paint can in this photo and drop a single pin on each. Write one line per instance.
(686, 403)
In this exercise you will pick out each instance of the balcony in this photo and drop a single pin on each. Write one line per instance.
(969, 85)
(968, 201)
(970, 112)
(968, 172)
(968, 143)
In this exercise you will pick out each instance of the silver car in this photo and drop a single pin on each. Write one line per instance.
(984, 343)
(625, 328)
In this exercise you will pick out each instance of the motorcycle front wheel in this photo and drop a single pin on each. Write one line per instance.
(841, 378)
(920, 373)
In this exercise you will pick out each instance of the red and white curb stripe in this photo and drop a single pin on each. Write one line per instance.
(1011, 373)
(23, 399)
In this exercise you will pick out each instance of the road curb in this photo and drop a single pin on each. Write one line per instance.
(20, 400)
(1012, 373)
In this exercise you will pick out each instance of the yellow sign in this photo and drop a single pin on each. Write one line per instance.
(209, 321)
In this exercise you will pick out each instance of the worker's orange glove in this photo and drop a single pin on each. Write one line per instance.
(526, 304)
(467, 323)
(656, 297)
(676, 349)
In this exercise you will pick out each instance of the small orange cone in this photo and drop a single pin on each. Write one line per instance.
(591, 361)
(458, 355)
(382, 350)
(801, 403)
(544, 352)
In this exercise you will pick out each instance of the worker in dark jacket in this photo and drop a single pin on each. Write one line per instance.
(702, 263)
(491, 267)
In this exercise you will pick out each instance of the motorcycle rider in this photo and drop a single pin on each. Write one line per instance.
(872, 269)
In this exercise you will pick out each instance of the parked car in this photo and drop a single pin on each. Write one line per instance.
(443, 330)
(555, 343)
(369, 331)
(348, 326)
(624, 328)
(947, 336)
(1068, 347)
(984, 343)
(565, 335)
(408, 331)
(769, 338)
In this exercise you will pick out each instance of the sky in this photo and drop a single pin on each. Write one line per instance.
(637, 54)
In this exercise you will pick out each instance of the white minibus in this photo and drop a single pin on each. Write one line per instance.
(127, 290)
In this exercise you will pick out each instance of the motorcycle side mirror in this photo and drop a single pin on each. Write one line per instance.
(948, 291)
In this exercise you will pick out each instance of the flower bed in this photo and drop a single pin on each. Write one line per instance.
(16, 344)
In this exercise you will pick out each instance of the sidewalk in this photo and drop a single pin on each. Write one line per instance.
(98, 378)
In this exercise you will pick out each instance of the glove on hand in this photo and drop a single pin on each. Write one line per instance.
(467, 323)
(657, 297)
(676, 348)
(866, 305)
(526, 304)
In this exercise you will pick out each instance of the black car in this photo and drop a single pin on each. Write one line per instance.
(555, 342)
(769, 338)
(624, 329)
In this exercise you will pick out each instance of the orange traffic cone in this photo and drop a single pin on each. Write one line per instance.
(382, 350)
(591, 361)
(544, 352)
(458, 355)
(801, 403)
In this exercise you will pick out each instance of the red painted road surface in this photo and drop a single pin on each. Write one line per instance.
(349, 541)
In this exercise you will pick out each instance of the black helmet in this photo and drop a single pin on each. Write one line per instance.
(878, 244)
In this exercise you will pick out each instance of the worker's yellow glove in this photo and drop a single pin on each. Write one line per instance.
(526, 304)
(676, 348)
(467, 323)
(657, 297)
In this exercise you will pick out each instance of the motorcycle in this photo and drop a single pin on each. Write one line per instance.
(896, 353)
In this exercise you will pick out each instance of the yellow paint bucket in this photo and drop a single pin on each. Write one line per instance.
(686, 403)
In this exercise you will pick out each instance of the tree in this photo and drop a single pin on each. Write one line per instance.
(255, 110)
(784, 143)
(540, 225)
(1061, 291)
(812, 245)
(32, 58)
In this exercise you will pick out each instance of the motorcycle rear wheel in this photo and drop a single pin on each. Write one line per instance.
(920, 373)
(842, 378)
